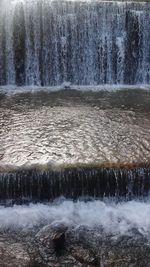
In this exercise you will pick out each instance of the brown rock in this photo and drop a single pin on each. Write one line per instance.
(53, 236)
(58, 241)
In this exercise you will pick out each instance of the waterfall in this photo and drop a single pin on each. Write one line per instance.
(48, 42)
(34, 185)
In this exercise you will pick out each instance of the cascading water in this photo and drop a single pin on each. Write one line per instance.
(33, 185)
(76, 162)
(74, 144)
(47, 43)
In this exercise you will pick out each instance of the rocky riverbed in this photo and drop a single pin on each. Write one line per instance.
(57, 245)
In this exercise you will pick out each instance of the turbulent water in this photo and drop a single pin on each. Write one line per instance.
(115, 219)
(83, 42)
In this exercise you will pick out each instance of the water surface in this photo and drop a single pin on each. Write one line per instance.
(71, 127)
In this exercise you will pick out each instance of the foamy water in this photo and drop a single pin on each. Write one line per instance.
(13, 89)
(116, 219)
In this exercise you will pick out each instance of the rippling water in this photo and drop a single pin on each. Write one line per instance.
(73, 127)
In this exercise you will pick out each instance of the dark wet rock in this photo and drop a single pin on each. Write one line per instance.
(36, 264)
(53, 236)
(58, 241)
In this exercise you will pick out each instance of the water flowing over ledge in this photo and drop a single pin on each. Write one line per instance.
(82, 42)
(74, 183)
(75, 161)
(93, 144)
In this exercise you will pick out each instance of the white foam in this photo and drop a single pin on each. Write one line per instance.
(11, 90)
(117, 219)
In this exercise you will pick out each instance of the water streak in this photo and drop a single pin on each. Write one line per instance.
(82, 42)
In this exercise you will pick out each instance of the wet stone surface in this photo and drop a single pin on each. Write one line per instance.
(81, 248)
